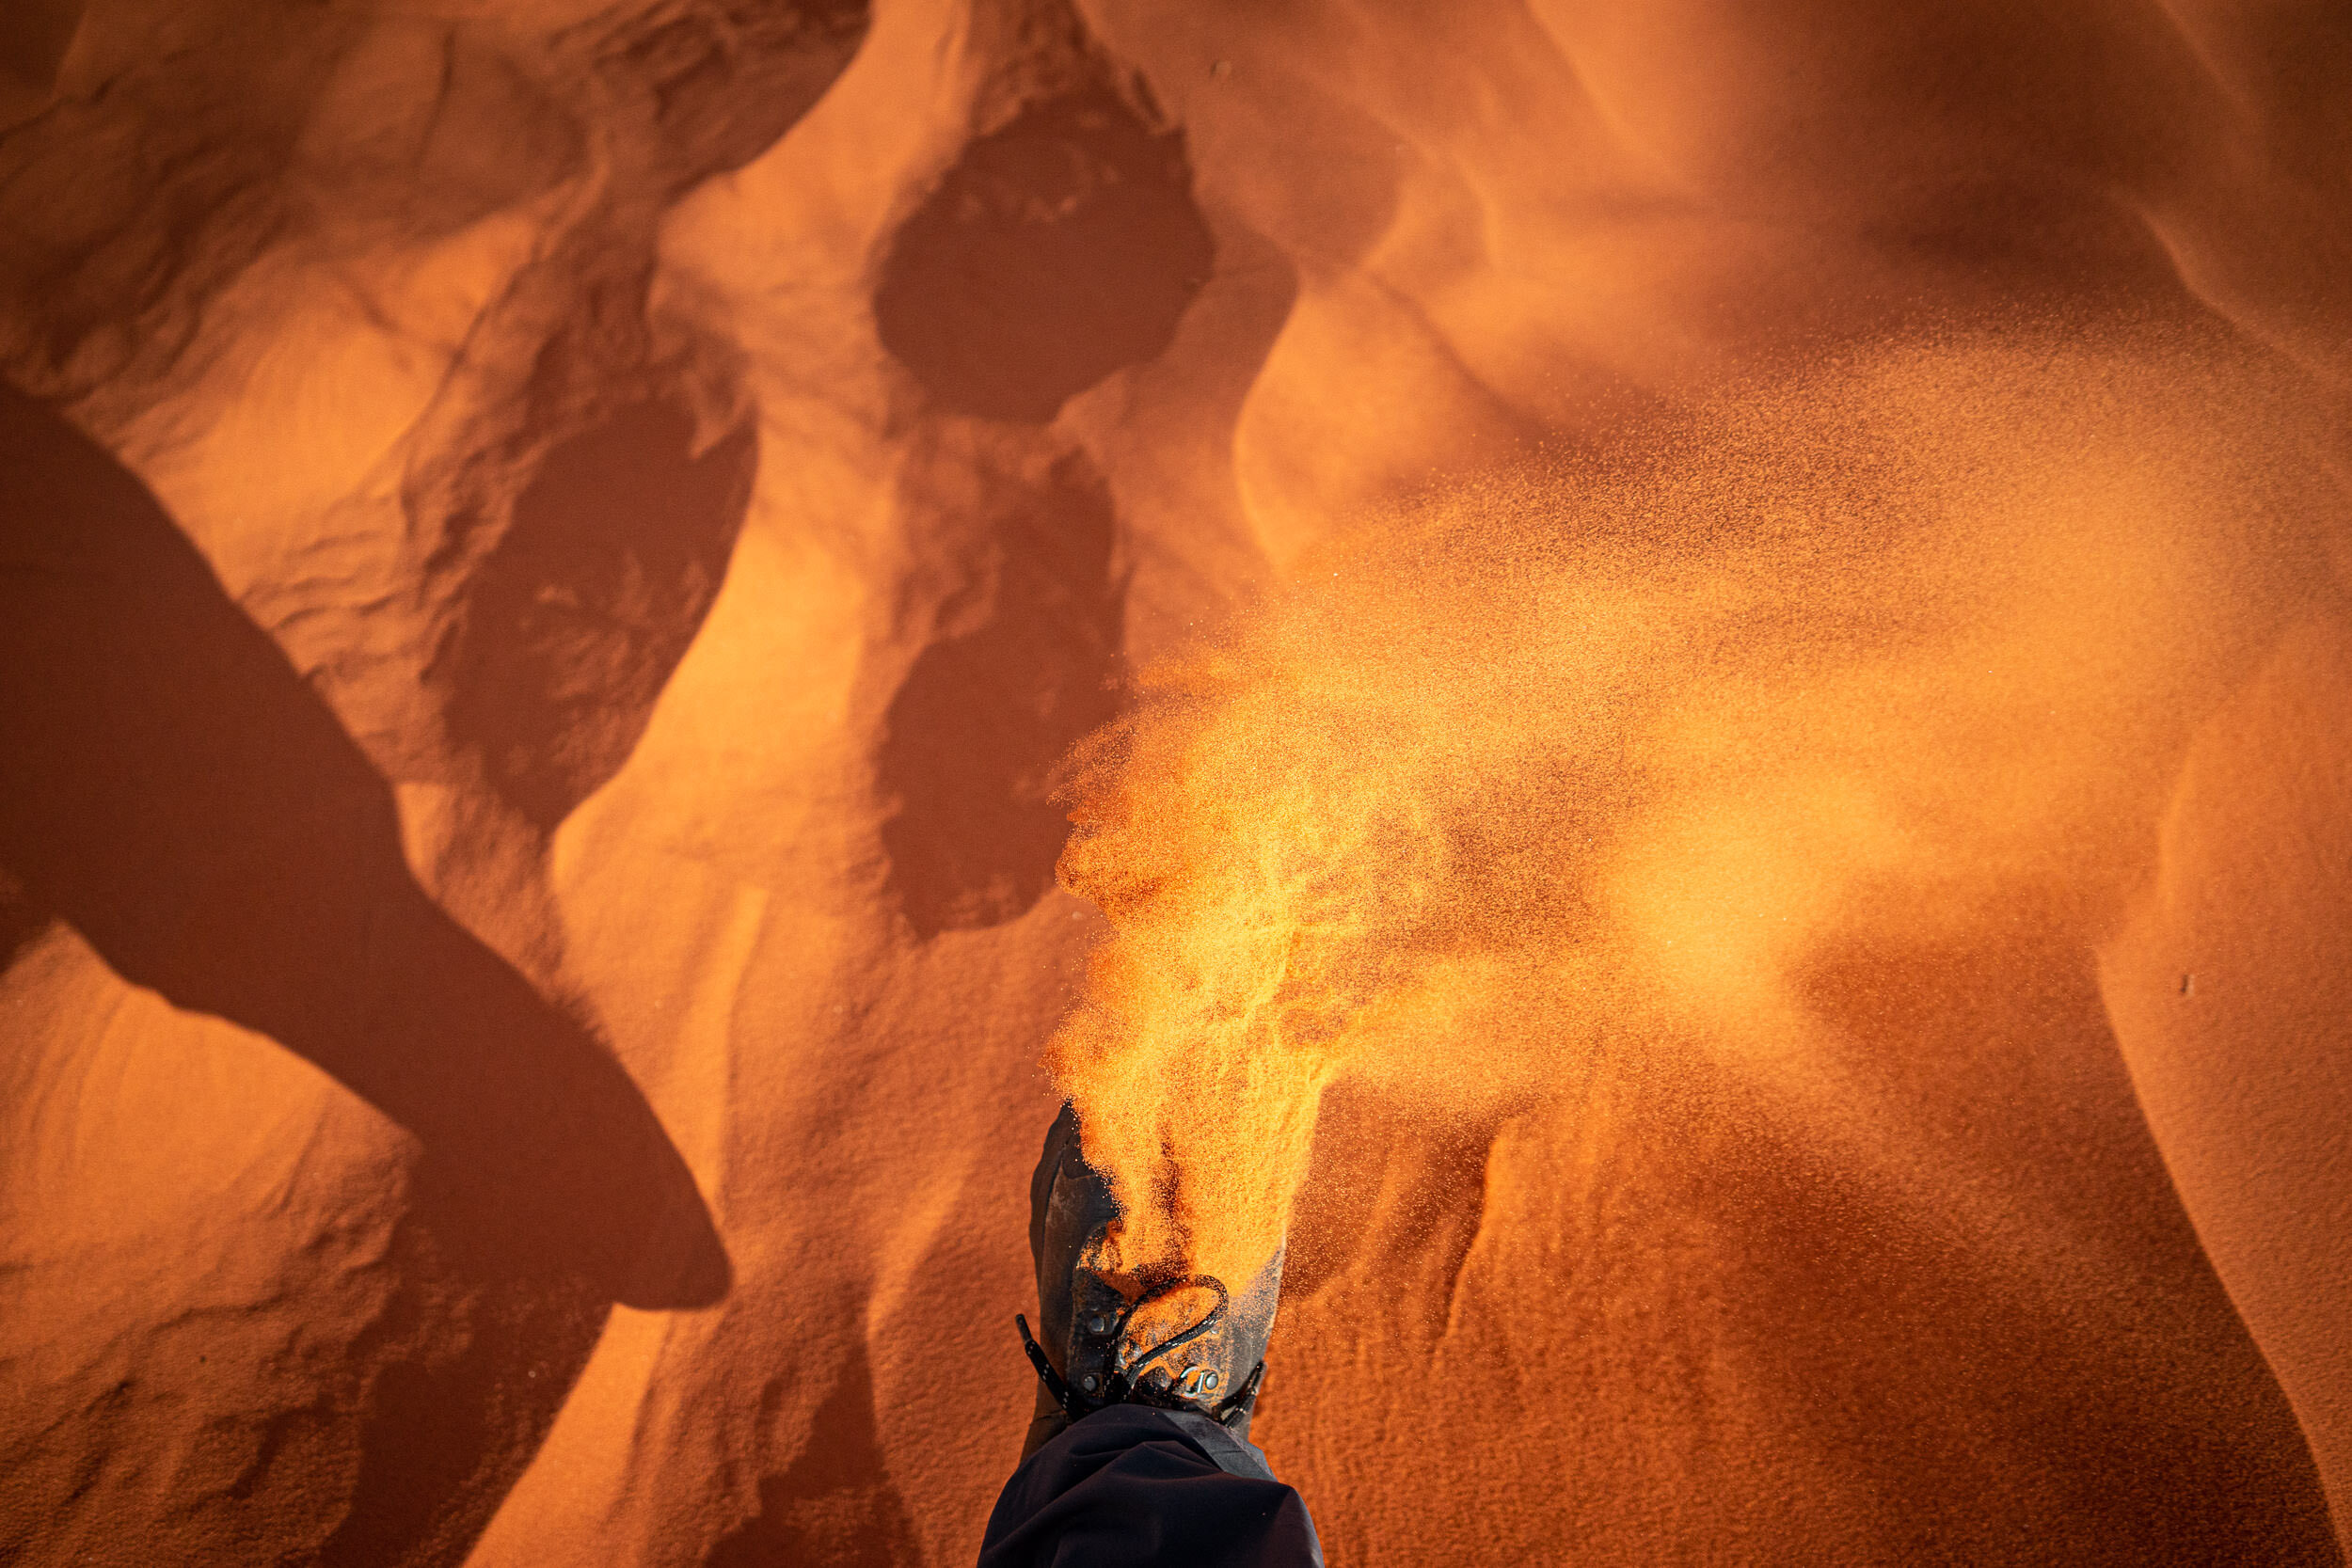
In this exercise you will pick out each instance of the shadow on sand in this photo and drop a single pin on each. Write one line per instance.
(172, 787)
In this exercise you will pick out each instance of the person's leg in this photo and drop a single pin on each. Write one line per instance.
(1139, 1453)
(1132, 1486)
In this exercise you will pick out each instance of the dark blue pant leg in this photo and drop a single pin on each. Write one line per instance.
(1134, 1487)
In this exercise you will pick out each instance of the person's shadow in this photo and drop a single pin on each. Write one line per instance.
(173, 789)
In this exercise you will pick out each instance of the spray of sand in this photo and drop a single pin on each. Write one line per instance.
(1551, 758)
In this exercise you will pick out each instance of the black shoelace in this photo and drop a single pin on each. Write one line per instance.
(1123, 1381)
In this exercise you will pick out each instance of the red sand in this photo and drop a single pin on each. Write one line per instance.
(642, 500)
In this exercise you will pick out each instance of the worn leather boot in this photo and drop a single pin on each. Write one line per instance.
(1177, 1343)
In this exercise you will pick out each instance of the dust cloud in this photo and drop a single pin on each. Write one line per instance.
(1608, 744)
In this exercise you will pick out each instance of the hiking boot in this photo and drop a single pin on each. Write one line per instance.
(1177, 1343)
(1174, 1342)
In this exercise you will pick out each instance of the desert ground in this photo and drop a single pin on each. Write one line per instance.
(1672, 680)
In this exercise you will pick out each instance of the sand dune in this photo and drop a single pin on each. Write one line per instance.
(1722, 629)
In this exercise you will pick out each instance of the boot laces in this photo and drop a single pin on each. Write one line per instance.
(1124, 1379)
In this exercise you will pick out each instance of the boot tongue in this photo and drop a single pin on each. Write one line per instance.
(1161, 1318)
